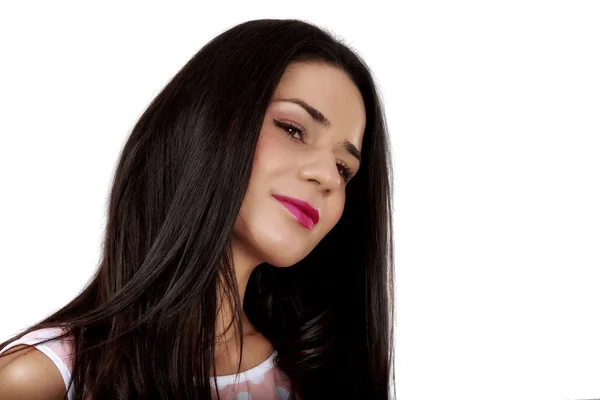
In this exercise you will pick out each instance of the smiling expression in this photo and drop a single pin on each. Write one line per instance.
(308, 150)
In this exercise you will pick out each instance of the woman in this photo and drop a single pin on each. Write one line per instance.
(248, 246)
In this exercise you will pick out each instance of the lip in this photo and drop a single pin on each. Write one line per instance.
(300, 209)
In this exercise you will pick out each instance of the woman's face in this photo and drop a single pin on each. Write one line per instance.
(305, 154)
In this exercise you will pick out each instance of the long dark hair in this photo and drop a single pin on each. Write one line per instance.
(145, 324)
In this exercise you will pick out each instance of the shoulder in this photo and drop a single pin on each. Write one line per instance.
(29, 367)
(29, 374)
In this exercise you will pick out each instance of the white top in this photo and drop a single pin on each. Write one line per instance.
(59, 351)
(254, 374)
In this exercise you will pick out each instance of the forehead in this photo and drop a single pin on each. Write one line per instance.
(329, 90)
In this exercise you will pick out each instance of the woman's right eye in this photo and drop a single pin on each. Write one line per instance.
(293, 131)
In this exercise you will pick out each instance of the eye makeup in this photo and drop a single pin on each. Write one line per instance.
(297, 133)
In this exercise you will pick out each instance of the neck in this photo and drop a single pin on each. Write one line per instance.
(243, 263)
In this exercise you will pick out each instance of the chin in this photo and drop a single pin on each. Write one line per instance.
(283, 259)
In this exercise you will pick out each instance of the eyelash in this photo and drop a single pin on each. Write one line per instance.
(345, 172)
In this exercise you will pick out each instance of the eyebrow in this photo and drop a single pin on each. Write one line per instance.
(352, 150)
(313, 112)
(320, 118)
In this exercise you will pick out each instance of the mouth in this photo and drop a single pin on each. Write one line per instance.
(305, 214)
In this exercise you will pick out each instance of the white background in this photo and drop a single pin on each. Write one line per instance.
(494, 114)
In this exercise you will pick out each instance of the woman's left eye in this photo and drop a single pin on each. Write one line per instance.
(295, 132)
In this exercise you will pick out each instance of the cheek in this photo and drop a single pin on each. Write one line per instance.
(268, 153)
(274, 163)
(263, 225)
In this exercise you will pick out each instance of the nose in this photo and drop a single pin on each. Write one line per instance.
(321, 167)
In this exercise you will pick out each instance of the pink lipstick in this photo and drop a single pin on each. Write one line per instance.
(305, 214)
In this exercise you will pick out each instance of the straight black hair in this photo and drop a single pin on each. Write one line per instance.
(144, 326)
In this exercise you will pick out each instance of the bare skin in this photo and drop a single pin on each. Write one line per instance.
(307, 169)
(29, 374)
